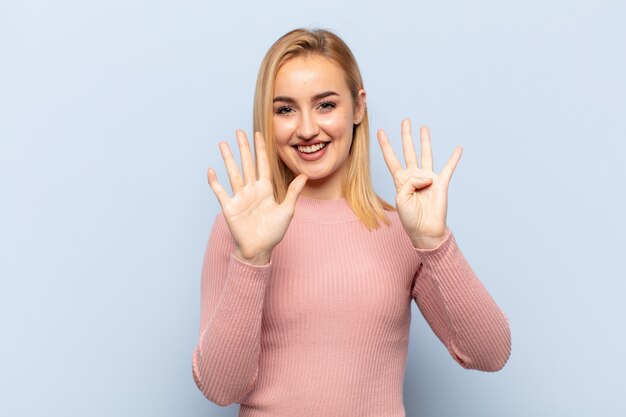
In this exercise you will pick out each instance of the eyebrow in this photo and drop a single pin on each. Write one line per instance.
(314, 98)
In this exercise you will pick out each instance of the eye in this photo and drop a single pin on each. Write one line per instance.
(284, 110)
(327, 105)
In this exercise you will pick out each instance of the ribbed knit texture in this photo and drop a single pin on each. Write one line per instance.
(322, 330)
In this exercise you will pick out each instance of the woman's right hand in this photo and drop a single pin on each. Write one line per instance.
(256, 222)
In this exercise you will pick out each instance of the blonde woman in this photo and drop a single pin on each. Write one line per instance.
(308, 276)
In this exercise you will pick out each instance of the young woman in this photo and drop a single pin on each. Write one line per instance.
(308, 275)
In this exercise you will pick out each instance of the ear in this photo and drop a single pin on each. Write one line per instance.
(360, 107)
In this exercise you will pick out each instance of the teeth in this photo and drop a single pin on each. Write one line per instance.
(311, 149)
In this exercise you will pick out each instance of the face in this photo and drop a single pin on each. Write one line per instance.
(313, 118)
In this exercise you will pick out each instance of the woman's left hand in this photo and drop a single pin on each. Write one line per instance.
(422, 195)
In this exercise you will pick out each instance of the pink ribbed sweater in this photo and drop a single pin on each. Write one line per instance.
(323, 328)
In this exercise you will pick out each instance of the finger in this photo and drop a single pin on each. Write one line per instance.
(293, 191)
(412, 184)
(247, 163)
(390, 157)
(427, 153)
(450, 166)
(407, 145)
(220, 192)
(261, 156)
(231, 168)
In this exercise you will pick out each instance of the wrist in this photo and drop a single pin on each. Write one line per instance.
(429, 242)
(259, 259)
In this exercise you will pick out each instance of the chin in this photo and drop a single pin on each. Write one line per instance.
(313, 175)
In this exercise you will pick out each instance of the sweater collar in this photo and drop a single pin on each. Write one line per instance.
(324, 211)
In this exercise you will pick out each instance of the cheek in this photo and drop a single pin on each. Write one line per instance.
(337, 124)
(283, 130)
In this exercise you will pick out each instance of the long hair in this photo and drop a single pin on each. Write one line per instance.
(356, 183)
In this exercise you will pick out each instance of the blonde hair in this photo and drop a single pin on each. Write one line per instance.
(357, 183)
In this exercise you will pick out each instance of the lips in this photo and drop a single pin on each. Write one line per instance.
(309, 143)
(311, 151)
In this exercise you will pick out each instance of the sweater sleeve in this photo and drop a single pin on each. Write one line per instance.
(225, 360)
(459, 309)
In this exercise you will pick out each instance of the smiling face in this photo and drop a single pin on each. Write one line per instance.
(313, 117)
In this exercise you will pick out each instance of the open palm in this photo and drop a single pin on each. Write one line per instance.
(255, 220)
(422, 195)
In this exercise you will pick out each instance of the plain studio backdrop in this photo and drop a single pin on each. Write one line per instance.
(110, 115)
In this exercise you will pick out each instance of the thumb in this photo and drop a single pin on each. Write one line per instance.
(412, 184)
(294, 190)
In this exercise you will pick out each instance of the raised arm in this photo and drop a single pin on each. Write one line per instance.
(235, 273)
(225, 359)
(452, 299)
(459, 309)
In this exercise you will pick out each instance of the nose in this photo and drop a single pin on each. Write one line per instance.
(307, 127)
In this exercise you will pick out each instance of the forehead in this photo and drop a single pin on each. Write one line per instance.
(305, 74)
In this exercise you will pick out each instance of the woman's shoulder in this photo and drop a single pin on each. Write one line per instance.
(393, 217)
(220, 229)
(394, 227)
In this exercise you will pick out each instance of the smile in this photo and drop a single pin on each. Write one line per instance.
(312, 153)
(312, 148)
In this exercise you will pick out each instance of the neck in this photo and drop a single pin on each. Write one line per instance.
(328, 188)
(321, 193)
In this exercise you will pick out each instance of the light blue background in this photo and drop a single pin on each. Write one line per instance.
(110, 114)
